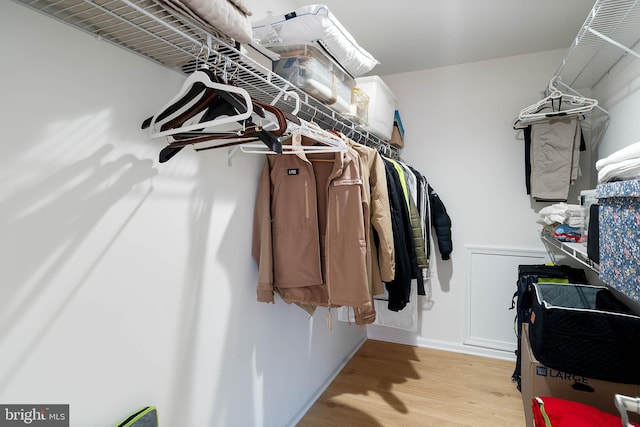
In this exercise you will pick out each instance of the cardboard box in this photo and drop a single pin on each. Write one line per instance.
(539, 380)
(619, 235)
(397, 135)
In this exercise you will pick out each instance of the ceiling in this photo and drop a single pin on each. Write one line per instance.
(411, 35)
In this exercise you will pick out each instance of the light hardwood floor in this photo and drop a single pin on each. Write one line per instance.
(387, 384)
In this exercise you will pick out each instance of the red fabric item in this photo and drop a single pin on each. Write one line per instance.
(565, 413)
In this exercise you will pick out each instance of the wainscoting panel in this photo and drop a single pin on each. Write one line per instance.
(492, 274)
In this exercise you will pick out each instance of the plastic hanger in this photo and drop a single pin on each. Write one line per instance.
(318, 141)
(242, 103)
(556, 100)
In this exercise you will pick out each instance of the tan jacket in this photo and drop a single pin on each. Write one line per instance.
(309, 237)
(381, 259)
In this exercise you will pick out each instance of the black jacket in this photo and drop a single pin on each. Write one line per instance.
(441, 223)
(405, 255)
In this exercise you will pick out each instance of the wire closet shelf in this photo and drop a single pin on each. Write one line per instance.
(610, 33)
(166, 37)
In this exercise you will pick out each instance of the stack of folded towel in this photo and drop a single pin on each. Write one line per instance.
(622, 165)
(563, 213)
(566, 221)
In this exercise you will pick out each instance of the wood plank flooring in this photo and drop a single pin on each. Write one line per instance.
(387, 384)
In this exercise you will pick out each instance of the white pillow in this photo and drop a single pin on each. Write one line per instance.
(315, 23)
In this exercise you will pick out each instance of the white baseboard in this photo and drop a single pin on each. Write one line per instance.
(295, 419)
(404, 337)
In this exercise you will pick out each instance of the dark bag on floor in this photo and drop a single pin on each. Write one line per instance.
(521, 301)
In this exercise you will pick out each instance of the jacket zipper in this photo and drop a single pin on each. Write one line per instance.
(306, 198)
(337, 214)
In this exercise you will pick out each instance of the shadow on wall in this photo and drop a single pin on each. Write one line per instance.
(236, 338)
(43, 226)
(445, 272)
(184, 375)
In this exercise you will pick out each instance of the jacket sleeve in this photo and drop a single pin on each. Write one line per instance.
(418, 237)
(261, 249)
(381, 219)
(441, 223)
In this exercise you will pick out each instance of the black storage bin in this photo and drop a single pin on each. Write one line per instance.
(584, 330)
(528, 274)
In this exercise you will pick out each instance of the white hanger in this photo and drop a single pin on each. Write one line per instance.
(204, 78)
(331, 143)
(577, 105)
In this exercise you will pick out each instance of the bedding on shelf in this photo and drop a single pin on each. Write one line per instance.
(228, 17)
(315, 24)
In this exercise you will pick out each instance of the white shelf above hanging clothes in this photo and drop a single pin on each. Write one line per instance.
(164, 36)
(610, 33)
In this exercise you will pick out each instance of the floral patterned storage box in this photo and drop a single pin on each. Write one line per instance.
(619, 223)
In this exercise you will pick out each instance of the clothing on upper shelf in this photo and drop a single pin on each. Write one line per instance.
(566, 233)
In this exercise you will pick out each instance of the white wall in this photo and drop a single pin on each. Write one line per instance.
(459, 134)
(127, 282)
(458, 123)
(619, 93)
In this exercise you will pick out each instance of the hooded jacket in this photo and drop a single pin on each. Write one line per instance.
(399, 289)
(409, 188)
(309, 238)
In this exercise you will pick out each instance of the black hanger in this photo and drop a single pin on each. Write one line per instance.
(215, 103)
(193, 92)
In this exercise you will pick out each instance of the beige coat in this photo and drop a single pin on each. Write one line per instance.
(381, 259)
(309, 236)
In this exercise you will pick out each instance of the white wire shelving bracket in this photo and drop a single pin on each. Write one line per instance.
(577, 251)
(164, 36)
(610, 32)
